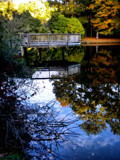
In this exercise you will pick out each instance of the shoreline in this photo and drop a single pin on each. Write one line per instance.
(100, 41)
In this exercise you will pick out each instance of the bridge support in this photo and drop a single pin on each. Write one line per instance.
(64, 51)
(22, 51)
(25, 51)
(25, 54)
(40, 54)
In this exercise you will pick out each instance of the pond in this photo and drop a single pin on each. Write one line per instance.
(75, 112)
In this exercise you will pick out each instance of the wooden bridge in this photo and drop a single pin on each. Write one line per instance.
(40, 40)
(57, 72)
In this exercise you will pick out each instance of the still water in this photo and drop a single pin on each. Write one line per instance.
(74, 110)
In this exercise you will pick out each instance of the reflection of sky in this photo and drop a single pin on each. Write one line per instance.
(103, 146)
(46, 74)
(45, 95)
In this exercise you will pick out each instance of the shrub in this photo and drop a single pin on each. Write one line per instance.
(60, 24)
(75, 26)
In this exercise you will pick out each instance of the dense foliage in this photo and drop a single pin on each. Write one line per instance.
(11, 66)
(60, 24)
(105, 16)
(24, 22)
(9, 49)
(94, 16)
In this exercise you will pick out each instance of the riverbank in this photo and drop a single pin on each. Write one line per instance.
(100, 41)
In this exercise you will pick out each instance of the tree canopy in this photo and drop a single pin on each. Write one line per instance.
(60, 24)
(105, 15)
(68, 16)
(37, 9)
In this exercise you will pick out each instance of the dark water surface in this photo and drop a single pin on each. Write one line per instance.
(76, 114)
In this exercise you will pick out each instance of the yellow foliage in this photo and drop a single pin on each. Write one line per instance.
(106, 13)
(63, 102)
(38, 9)
(91, 6)
(7, 8)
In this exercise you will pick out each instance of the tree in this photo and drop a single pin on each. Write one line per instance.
(75, 26)
(7, 8)
(74, 8)
(60, 24)
(11, 137)
(37, 9)
(24, 19)
(68, 8)
(23, 23)
(106, 16)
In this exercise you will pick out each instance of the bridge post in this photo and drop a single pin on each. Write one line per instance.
(48, 39)
(63, 54)
(67, 40)
(40, 54)
(26, 55)
(64, 51)
(22, 51)
(96, 49)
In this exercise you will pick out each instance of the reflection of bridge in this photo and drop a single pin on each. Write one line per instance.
(57, 72)
(40, 40)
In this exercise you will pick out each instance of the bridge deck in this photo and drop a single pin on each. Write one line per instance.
(40, 40)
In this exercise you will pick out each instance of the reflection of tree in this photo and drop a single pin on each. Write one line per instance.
(93, 95)
(75, 54)
(48, 130)
(102, 68)
(55, 54)
(93, 127)
(13, 134)
(42, 126)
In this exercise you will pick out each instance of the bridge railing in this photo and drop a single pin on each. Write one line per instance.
(50, 39)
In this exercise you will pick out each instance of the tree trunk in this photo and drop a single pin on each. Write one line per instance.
(91, 25)
(96, 49)
(97, 35)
